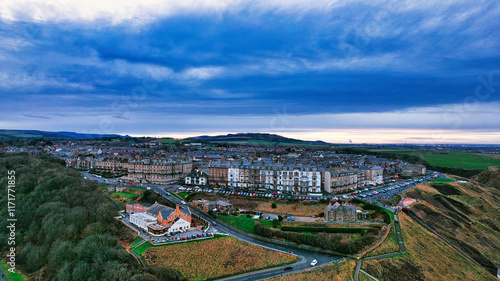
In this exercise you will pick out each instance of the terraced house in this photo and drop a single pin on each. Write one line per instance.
(278, 177)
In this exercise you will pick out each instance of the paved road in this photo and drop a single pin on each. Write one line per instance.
(305, 257)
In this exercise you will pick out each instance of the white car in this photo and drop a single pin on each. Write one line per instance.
(314, 262)
(183, 202)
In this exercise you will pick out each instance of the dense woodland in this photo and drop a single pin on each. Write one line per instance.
(65, 226)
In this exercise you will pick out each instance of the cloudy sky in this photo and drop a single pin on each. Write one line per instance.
(387, 71)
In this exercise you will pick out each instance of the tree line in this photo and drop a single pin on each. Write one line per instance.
(65, 227)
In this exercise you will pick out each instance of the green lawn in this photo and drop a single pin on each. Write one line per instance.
(175, 195)
(443, 180)
(135, 242)
(244, 223)
(124, 193)
(455, 159)
(135, 188)
(184, 194)
(11, 276)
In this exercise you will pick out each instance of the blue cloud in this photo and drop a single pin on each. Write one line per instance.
(350, 59)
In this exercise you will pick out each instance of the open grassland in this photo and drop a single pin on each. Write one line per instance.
(463, 160)
(467, 215)
(427, 258)
(214, 258)
(343, 272)
(244, 223)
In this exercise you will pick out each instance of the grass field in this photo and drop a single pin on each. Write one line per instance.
(343, 272)
(443, 180)
(11, 276)
(453, 159)
(214, 258)
(135, 188)
(426, 259)
(244, 223)
(183, 194)
(124, 194)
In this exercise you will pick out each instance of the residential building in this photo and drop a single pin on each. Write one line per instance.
(340, 213)
(373, 175)
(196, 177)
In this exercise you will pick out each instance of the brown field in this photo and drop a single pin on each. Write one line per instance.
(214, 258)
(344, 272)
(426, 259)
(296, 209)
(467, 215)
(264, 205)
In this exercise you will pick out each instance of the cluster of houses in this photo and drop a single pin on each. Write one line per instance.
(298, 178)
(146, 170)
(158, 219)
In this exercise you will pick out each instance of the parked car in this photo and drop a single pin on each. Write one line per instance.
(183, 202)
(287, 267)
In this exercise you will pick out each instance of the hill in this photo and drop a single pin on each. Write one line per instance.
(257, 138)
(35, 134)
(467, 215)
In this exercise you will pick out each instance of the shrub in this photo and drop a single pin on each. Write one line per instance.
(273, 205)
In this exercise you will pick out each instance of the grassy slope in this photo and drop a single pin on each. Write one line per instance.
(427, 259)
(465, 214)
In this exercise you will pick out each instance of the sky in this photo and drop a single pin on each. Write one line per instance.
(362, 71)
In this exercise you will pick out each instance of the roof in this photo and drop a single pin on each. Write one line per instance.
(223, 203)
(159, 208)
(139, 203)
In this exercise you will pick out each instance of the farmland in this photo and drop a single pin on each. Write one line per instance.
(452, 159)
(426, 259)
(214, 258)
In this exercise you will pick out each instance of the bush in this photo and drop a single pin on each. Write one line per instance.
(273, 205)
(322, 229)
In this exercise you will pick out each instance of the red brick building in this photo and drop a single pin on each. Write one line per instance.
(137, 207)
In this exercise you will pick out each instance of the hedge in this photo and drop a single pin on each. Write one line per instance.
(322, 229)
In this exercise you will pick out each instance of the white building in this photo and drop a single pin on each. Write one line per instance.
(179, 225)
(142, 220)
(196, 177)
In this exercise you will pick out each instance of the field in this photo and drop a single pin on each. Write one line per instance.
(11, 276)
(296, 209)
(264, 205)
(214, 258)
(426, 259)
(343, 272)
(244, 223)
(453, 159)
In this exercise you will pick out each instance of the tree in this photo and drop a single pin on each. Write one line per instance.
(273, 205)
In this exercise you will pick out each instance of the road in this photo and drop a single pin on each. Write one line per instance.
(305, 257)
